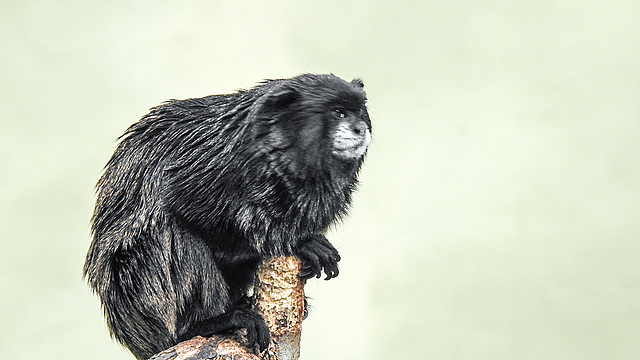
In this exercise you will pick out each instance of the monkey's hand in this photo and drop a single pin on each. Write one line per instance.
(317, 254)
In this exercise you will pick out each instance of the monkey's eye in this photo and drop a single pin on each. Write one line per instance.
(339, 113)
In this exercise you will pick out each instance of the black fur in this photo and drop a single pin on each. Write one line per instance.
(199, 190)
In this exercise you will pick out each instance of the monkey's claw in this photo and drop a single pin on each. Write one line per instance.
(241, 317)
(317, 254)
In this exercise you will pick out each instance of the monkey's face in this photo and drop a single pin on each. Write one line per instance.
(319, 127)
(352, 134)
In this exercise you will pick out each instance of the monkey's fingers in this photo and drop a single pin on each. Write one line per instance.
(331, 271)
(318, 256)
(329, 259)
(331, 267)
(311, 267)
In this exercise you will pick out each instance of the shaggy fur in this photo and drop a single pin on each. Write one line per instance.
(199, 190)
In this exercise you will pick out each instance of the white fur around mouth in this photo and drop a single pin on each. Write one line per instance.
(349, 145)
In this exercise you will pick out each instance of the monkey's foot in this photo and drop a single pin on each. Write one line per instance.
(235, 319)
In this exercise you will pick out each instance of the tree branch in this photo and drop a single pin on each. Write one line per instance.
(279, 295)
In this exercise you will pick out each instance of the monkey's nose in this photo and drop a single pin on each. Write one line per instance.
(359, 128)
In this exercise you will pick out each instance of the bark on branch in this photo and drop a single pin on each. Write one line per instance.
(279, 297)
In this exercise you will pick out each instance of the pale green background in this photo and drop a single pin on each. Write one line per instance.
(499, 212)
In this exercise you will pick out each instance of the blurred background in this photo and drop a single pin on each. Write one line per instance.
(498, 215)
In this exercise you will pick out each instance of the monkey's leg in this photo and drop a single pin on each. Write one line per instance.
(138, 301)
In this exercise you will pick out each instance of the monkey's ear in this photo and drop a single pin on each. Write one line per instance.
(282, 98)
(357, 82)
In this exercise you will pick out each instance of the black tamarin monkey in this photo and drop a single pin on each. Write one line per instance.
(199, 190)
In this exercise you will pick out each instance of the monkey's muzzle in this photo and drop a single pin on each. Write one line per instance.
(351, 140)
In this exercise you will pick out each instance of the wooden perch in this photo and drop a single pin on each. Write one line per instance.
(279, 295)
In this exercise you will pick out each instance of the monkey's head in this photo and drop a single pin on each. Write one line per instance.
(313, 125)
